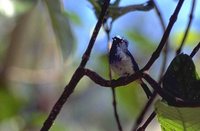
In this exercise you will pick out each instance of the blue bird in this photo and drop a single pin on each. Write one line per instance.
(122, 62)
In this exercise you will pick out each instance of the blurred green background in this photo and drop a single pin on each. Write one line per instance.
(41, 44)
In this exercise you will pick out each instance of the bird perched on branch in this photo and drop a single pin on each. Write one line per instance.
(122, 61)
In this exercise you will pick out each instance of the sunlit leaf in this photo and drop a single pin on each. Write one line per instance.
(177, 118)
(191, 40)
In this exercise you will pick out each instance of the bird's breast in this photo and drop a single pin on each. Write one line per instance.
(122, 66)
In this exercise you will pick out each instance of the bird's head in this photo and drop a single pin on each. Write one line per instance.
(120, 42)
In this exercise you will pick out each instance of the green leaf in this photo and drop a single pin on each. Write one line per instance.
(191, 40)
(181, 78)
(61, 26)
(42, 33)
(177, 118)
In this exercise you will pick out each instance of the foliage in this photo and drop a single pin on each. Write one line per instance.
(38, 45)
(174, 118)
(181, 79)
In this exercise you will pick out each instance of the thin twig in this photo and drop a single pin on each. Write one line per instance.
(115, 110)
(165, 50)
(188, 27)
(78, 74)
(116, 11)
(114, 103)
(147, 122)
(144, 111)
(165, 36)
(195, 50)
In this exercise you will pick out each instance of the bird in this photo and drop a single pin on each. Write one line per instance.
(122, 61)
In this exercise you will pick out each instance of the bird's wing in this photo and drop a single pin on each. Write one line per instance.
(135, 65)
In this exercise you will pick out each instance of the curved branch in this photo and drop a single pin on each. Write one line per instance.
(78, 74)
(111, 83)
(122, 81)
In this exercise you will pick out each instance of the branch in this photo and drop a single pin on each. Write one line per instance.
(78, 74)
(156, 54)
(115, 110)
(144, 126)
(116, 12)
(163, 66)
(63, 98)
(188, 27)
(195, 50)
(165, 50)
(173, 100)
(86, 55)
(145, 109)
(122, 81)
